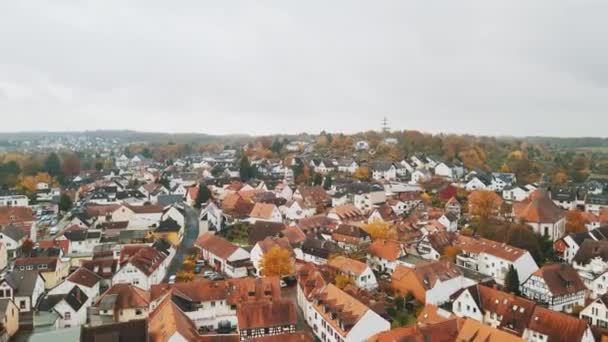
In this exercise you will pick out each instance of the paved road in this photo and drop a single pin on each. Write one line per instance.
(190, 235)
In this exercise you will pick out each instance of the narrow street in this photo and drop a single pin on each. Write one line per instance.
(190, 235)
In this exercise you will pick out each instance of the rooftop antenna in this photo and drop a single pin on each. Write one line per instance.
(385, 128)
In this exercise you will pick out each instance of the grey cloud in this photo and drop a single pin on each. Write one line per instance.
(480, 67)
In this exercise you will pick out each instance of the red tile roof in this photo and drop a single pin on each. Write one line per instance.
(216, 245)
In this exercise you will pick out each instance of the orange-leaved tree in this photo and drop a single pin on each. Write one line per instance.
(450, 253)
(277, 262)
(362, 173)
(484, 204)
(575, 222)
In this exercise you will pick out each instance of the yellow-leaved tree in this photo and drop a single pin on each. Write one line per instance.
(379, 230)
(277, 262)
(342, 280)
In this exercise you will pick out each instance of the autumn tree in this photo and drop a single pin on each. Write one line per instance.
(484, 204)
(277, 262)
(575, 222)
(362, 173)
(342, 280)
(26, 247)
(71, 165)
(450, 253)
(184, 277)
(379, 230)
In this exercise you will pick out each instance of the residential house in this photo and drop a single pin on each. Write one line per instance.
(153, 190)
(12, 237)
(70, 308)
(223, 255)
(121, 303)
(317, 251)
(450, 221)
(453, 206)
(23, 287)
(383, 213)
(473, 331)
(549, 325)
(564, 197)
(350, 237)
(169, 323)
(596, 313)
(169, 230)
(175, 211)
(514, 194)
(384, 170)
(591, 262)
(431, 282)
(494, 258)
(495, 308)
(265, 212)
(384, 255)
(85, 279)
(333, 314)
(567, 247)
(9, 318)
(596, 203)
(214, 304)
(143, 216)
(346, 213)
(297, 209)
(556, 285)
(361, 274)
(501, 180)
(122, 332)
(212, 218)
(477, 181)
(420, 175)
(266, 318)
(81, 240)
(52, 268)
(141, 265)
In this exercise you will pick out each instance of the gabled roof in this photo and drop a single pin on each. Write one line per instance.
(428, 273)
(14, 232)
(168, 225)
(497, 249)
(561, 279)
(123, 296)
(591, 249)
(347, 265)
(386, 249)
(84, 277)
(263, 210)
(556, 325)
(145, 258)
(167, 320)
(266, 314)
(473, 331)
(216, 245)
(135, 330)
(24, 282)
(75, 298)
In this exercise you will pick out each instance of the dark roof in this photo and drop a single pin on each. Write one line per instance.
(75, 299)
(168, 225)
(561, 279)
(319, 248)
(260, 230)
(14, 232)
(350, 230)
(85, 277)
(591, 249)
(23, 281)
(136, 330)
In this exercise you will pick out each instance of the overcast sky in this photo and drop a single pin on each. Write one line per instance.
(483, 67)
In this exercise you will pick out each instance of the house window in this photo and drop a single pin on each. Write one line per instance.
(22, 304)
(67, 316)
(212, 304)
(138, 312)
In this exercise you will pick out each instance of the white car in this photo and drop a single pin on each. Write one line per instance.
(282, 283)
(54, 230)
(172, 279)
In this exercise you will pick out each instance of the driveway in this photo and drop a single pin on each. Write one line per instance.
(190, 235)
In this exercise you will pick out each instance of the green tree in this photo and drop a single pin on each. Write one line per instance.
(65, 202)
(246, 171)
(512, 280)
(327, 183)
(203, 195)
(52, 165)
(317, 179)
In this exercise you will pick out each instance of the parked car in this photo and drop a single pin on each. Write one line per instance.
(172, 279)
(208, 274)
(198, 269)
(217, 276)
